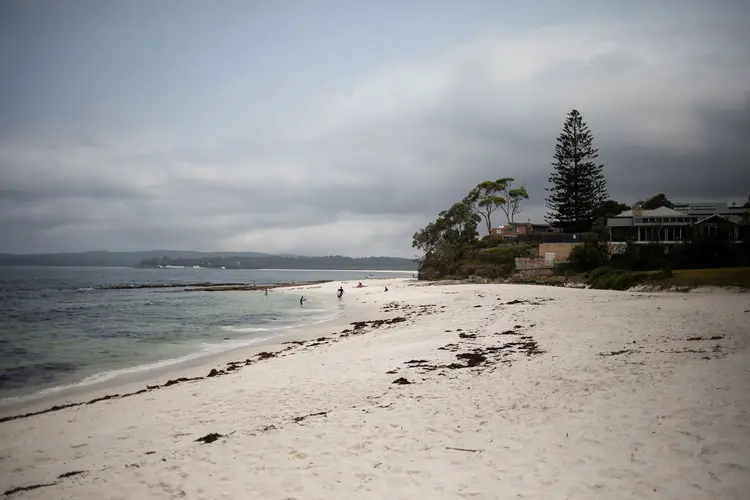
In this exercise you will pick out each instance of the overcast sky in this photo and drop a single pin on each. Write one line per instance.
(320, 127)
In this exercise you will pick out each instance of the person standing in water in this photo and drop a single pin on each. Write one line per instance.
(340, 292)
(301, 300)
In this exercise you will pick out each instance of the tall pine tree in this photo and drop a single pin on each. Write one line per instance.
(578, 184)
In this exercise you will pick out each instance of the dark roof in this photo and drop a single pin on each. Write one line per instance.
(657, 212)
(543, 224)
(734, 219)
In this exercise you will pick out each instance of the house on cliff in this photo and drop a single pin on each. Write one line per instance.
(684, 222)
(518, 229)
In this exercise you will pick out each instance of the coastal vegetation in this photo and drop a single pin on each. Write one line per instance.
(727, 276)
(610, 278)
(450, 246)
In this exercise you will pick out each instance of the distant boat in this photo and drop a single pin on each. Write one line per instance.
(370, 276)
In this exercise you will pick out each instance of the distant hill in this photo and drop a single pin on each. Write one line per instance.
(228, 260)
(237, 261)
(104, 259)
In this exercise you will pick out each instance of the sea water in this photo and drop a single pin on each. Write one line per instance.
(61, 327)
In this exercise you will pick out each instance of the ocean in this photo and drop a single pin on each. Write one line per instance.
(60, 327)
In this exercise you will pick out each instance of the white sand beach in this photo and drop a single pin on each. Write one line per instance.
(508, 392)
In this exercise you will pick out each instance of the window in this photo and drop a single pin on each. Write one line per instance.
(673, 233)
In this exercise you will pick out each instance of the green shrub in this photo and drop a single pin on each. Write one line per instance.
(599, 271)
(589, 256)
(468, 268)
(608, 278)
(489, 242)
(428, 274)
(503, 254)
(494, 271)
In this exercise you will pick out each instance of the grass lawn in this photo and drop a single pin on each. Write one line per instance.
(730, 276)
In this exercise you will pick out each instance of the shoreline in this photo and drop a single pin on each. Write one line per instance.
(207, 286)
(434, 392)
(196, 365)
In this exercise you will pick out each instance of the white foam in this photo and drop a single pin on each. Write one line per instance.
(106, 376)
(244, 329)
(206, 349)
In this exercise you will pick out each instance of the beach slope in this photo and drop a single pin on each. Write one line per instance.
(441, 391)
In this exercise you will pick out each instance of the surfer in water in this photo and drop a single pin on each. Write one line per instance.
(340, 292)
(301, 300)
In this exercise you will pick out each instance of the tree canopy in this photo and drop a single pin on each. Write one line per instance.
(513, 198)
(444, 241)
(610, 208)
(450, 244)
(660, 200)
(578, 186)
(487, 197)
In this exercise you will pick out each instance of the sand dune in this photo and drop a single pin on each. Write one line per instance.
(505, 392)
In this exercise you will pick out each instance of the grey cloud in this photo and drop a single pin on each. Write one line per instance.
(38, 192)
(718, 168)
(365, 181)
